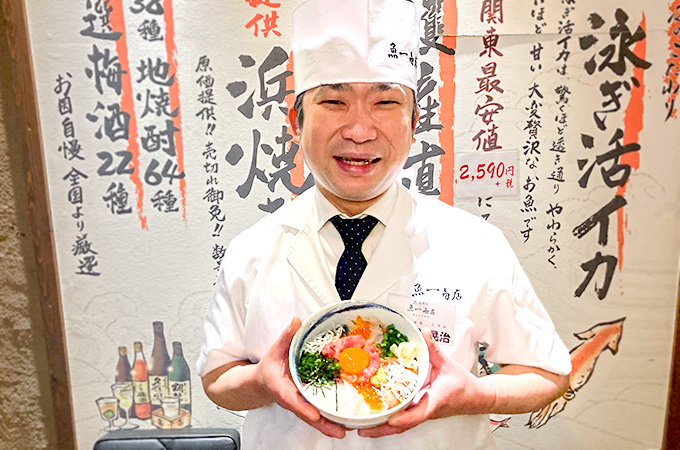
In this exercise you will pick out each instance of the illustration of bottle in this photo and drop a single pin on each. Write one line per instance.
(158, 372)
(124, 375)
(180, 377)
(140, 381)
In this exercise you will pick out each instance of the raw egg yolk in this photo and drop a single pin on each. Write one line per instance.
(353, 360)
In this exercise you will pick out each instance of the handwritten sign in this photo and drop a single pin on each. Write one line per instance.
(166, 134)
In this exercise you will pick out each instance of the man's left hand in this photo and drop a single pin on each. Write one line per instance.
(453, 390)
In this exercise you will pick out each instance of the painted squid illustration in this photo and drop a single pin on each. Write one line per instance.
(601, 337)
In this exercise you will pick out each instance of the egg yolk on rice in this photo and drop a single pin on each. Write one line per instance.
(353, 360)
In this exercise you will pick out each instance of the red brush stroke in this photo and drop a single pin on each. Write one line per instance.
(117, 21)
(632, 125)
(447, 96)
(673, 61)
(297, 173)
(171, 51)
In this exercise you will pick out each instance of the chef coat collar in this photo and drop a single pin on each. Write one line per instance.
(381, 210)
(404, 241)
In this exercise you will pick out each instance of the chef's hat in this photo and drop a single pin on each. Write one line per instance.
(345, 41)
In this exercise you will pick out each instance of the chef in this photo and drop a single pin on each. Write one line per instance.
(358, 234)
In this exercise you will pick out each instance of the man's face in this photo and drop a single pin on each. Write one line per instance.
(355, 139)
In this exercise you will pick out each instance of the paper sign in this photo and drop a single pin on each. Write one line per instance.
(436, 315)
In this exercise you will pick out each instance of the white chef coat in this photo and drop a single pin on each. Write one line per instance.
(276, 270)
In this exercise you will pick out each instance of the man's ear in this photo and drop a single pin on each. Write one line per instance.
(293, 120)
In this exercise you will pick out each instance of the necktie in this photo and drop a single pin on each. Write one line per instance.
(352, 262)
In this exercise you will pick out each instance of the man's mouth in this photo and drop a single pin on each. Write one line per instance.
(357, 161)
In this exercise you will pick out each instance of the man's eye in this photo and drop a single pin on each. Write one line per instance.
(388, 102)
(331, 102)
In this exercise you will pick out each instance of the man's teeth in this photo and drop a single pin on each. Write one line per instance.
(357, 162)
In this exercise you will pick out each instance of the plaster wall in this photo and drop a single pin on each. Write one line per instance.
(26, 420)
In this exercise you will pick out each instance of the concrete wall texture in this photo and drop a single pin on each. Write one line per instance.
(26, 420)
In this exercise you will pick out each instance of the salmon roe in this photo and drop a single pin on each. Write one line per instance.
(362, 328)
(371, 395)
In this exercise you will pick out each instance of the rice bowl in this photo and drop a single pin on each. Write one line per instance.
(358, 362)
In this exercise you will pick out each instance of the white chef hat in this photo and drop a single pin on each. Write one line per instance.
(345, 41)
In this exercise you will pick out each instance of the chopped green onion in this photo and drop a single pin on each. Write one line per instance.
(316, 369)
(391, 336)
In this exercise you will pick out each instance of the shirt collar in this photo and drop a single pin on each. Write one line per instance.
(381, 210)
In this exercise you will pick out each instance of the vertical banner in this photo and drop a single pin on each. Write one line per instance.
(165, 134)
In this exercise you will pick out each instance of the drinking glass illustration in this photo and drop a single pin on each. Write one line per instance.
(170, 407)
(124, 392)
(108, 409)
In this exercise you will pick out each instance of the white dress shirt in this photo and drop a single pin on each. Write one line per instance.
(331, 241)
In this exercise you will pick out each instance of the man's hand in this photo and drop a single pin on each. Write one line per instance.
(452, 390)
(242, 385)
(273, 374)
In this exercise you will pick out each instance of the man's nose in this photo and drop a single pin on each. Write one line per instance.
(361, 126)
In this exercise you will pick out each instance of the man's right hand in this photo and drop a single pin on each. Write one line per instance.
(242, 385)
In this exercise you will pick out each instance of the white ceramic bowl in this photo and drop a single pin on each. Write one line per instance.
(340, 313)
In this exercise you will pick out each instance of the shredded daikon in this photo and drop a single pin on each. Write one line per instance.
(400, 381)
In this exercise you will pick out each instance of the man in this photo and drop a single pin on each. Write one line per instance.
(354, 118)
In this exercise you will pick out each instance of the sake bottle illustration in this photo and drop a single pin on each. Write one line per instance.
(124, 373)
(180, 377)
(158, 372)
(140, 381)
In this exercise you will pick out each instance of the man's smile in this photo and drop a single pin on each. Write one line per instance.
(356, 161)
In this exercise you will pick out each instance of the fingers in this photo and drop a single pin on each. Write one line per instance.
(310, 415)
(289, 397)
(294, 325)
(380, 431)
(303, 409)
(282, 344)
(287, 335)
(328, 428)
(419, 395)
(401, 421)
(412, 416)
(436, 357)
(419, 410)
(275, 378)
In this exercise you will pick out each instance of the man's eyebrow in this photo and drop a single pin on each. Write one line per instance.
(377, 87)
(381, 87)
(337, 86)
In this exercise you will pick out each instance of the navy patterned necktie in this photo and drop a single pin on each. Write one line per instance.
(352, 262)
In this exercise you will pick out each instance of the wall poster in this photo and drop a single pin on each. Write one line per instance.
(165, 134)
